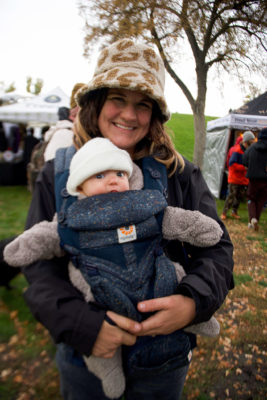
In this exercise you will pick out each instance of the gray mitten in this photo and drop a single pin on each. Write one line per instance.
(210, 328)
(190, 226)
(39, 242)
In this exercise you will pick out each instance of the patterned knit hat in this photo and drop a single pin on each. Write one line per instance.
(128, 65)
(75, 89)
(95, 156)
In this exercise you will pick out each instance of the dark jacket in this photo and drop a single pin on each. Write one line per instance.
(255, 159)
(61, 308)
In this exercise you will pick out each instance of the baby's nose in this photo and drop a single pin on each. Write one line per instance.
(113, 180)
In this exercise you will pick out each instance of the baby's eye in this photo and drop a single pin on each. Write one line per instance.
(120, 173)
(99, 176)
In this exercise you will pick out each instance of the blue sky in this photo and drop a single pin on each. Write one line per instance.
(44, 39)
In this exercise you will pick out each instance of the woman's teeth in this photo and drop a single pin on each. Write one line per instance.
(129, 128)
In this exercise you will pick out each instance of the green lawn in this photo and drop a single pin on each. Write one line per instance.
(182, 133)
(14, 203)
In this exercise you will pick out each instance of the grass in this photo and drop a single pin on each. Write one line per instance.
(181, 128)
(243, 212)
(14, 203)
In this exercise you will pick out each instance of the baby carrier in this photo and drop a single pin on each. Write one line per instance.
(116, 242)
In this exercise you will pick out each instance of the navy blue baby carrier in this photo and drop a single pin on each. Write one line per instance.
(115, 240)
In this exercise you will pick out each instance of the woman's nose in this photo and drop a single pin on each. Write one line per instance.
(129, 113)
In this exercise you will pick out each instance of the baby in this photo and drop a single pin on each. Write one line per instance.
(109, 216)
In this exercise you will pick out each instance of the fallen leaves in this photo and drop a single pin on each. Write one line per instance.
(235, 363)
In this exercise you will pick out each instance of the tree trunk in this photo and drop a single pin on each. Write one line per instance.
(200, 137)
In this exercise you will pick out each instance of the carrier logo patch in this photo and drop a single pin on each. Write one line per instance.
(126, 233)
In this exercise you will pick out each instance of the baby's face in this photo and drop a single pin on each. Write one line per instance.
(105, 182)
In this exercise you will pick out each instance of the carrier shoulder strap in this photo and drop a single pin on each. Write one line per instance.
(155, 175)
(63, 158)
(62, 164)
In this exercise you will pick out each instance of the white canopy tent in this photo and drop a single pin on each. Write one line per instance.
(41, 109)
(218, 139)
(13, 97)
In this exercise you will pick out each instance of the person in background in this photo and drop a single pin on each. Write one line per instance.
(3, 139)
(237, 179)
(255, 160)
(57, 136)
(232, 149)
(61, 135)
(124, 102)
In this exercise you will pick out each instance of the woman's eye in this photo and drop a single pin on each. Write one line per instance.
(99, 176)
(117, 98)
(148, 106)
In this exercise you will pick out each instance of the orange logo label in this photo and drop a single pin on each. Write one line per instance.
(126, 233)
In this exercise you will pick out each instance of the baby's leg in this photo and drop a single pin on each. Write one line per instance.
(108, 370)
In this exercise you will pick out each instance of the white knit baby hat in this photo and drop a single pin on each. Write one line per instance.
(96, 155)
(129, 65)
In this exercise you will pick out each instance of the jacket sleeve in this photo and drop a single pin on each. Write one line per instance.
(210, 269)
(236, 160)
(245, 157)
(51, 297)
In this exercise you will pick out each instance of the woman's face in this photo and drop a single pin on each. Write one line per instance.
(125, 118)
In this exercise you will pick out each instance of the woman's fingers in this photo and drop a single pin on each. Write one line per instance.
(153, 304)
(125, 323)
(110, 337)
(171, 313)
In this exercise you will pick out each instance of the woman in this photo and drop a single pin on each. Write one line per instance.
(125, 103)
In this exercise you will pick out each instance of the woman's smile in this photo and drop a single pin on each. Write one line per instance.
(121, 126)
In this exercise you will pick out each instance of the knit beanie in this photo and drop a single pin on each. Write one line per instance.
(75, 89)
(248, 135)
(263, 134)
(129, 65)
(96, 155)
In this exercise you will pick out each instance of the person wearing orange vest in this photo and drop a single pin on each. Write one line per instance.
(237, 179)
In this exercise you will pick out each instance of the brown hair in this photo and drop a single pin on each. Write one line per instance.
(156, 143)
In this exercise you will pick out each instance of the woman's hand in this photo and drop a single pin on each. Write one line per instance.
(111, 337)
(172, 313)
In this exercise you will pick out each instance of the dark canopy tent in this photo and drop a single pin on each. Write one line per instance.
(257, 106)
(222, 134)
